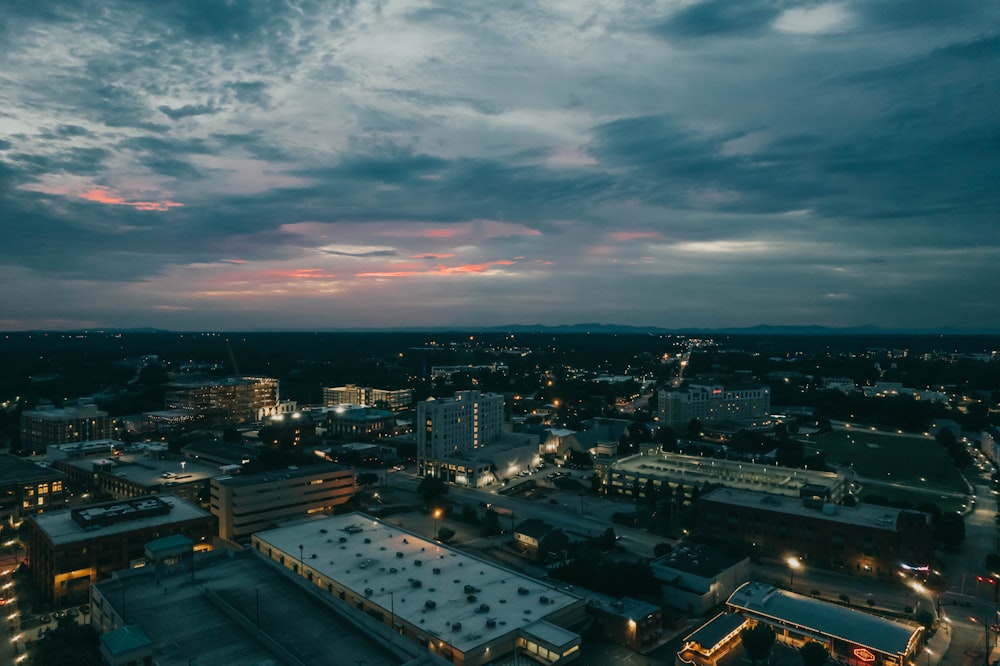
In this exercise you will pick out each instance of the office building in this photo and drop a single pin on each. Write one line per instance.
(228, 399)
(449, 427)
(47, 425)
(27, 487)
(716, 400)
(351, 394)
(463, 609)
(71, 548)
(249, 503)
(864, 540)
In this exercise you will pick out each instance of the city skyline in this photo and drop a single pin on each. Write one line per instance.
(252, 166)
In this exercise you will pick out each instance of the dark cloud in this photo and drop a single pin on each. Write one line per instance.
(188, 110)
(718, 18)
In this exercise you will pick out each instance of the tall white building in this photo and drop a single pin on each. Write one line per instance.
(450, 427)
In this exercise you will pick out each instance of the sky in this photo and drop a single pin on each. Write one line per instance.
(377, 164)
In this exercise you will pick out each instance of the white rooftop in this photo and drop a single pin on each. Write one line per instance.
(457, 598)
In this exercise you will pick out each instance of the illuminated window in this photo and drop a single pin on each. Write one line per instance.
(57, 486)
(43, 488)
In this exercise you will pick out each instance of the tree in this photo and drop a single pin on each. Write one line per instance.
(814, 654)
(445, 534)
(694, 429)
(68, 643)
(491, 523)
(432, 487)
(993, 561)
(949, 529)
(758, 641)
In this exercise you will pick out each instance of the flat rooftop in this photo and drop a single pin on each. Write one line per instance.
(406, 573)
(185, 623)
(60, 527)
(869, 515)
(282, 474)
(20, 470)
(149, 472)
(825, 618)
(695, 469)
(698, 559)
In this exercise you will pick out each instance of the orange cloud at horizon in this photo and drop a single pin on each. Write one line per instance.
(439, 269)
(104, 195)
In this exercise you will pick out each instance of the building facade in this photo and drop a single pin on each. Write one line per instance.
(46, 425)
(362, 423)
(71, 548)
(715, 400)
(230, 399)
(450, 427)
(351, 394)
(26, 487)
(865, 540)
(249, 503)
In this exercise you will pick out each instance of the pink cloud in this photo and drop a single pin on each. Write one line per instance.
(626, 236)
(439, 269)
(104, 195)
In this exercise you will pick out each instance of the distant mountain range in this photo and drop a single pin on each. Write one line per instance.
(584, 328)
(601, 329)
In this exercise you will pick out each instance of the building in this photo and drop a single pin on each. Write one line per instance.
(250, 503)
(638, 474)
(218, 452)
(694, 578)
(463, 609)
(238, 610)
(71, 548)
(359, 423)
(865, 540)
(47, 425)
(142, 470)
(633, 623)
(713, 400)
(27, 487)
(392, 399)
(229, 399)
(541, 540)
(449, 427)
(714, 639)
(852, 637)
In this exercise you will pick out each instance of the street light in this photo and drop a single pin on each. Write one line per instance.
(793, 564)
(437, 515)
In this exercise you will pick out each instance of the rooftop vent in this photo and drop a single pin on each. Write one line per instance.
(430, 604)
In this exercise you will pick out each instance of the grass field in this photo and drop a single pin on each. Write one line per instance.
(919, 462)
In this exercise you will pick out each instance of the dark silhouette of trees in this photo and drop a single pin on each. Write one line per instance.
(757, 642)
(814, 654)
(431, 488)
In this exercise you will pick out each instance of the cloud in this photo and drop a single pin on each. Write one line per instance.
(675, 163)
(188, 110)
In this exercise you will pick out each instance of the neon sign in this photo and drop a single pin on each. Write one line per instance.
(864, 655)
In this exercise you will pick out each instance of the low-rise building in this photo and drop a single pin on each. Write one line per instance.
(695, 578)
(145, 470)
(71, 548)
(249, 503)
(851, 636)
(634, 623)
(463, 609)
(238, 609)
(541, 540)
(351, 394)
(359, 423)
(865, 540)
